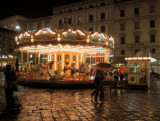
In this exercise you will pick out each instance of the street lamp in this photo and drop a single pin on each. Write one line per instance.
(17, 27)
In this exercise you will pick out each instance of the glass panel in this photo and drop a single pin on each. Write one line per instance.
(134, 67)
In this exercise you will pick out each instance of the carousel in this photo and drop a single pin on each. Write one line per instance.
(62, 53)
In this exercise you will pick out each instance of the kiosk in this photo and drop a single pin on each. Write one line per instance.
(138, 72)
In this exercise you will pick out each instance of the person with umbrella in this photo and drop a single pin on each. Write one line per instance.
(99, 80)
(98, 85)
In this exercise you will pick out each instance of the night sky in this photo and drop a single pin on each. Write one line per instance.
(31, 9)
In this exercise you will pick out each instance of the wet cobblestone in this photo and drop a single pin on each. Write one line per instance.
(75, 105)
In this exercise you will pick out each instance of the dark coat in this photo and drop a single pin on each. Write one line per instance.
(10, 76)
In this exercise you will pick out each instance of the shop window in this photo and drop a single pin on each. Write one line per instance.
(122, 14)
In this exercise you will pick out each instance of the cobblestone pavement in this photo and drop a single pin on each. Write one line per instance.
(75, 105)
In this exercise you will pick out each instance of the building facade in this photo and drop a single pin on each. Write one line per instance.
(15, 23)
(133, 23)
(39, 23)
(137, 28)
(8, 52)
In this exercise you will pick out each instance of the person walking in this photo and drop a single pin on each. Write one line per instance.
(122, 72)
(10, 76)
(99, 86)
(115, 75)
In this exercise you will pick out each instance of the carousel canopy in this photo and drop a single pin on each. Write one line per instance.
(47, 41)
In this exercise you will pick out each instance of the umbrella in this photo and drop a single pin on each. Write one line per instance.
(104, 67)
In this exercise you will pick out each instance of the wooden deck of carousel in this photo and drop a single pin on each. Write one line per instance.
(60, 83)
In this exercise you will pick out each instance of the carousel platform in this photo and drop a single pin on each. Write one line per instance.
(61, 83)
(56, 83)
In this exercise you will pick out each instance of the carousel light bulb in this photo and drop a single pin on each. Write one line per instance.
(39, 32)
(74, 32)
(87, 40)
(16, 38)
(58, 38)
(26, 33)
(111, 39)
(32, 40)
(50, 31)
(81, 33)
(64, 33)
(106, 43)
(20, 36)
(17, 27)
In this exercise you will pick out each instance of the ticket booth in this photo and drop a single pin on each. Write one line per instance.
(138, 71)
